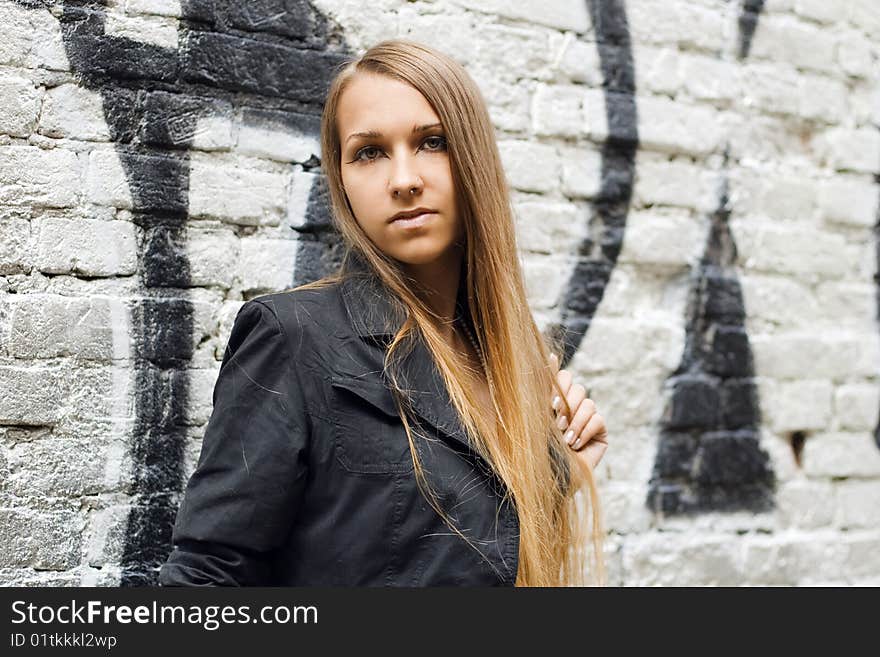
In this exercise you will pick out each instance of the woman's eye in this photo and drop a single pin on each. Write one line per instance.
(441, 143)
(364, 150)
(438, 142)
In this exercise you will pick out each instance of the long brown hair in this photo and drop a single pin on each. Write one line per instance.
(522, 443)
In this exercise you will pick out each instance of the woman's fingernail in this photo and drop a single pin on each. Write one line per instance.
(576, 444)
(556, 401)
(569, 436)
(562, 422)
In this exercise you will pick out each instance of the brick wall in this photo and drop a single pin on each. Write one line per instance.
(696, 194)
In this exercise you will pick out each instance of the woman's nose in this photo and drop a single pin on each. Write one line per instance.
(404, 176)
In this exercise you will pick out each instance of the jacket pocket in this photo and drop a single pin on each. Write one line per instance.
(369, 434)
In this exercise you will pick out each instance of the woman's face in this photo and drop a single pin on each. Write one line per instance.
(396, 169)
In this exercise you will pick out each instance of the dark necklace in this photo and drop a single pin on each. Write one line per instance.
(463, 322)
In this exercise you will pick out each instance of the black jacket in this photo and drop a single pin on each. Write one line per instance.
(305, 477)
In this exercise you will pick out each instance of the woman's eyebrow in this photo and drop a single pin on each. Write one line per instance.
(372, 134)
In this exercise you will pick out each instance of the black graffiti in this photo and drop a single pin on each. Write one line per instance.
(748, 23)
(708, 456)
(877, 283)
(266, 61)
(598, 253)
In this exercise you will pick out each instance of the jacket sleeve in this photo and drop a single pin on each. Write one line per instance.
(241, 501)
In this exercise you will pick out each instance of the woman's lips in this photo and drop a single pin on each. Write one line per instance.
(414, 222)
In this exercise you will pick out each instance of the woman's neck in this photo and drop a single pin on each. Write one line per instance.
(437, 286)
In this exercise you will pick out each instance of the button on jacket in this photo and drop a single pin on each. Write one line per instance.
(305, 477)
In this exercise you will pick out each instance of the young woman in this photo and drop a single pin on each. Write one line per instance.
(393, 424)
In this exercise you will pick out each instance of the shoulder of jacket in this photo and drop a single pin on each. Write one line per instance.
(297, 308)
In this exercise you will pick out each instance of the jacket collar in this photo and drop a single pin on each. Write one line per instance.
(374, 314)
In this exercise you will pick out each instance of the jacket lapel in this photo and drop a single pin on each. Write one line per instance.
(375, 317)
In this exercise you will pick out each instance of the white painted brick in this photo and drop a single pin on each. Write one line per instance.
(863, 13)
(106, 183)
(787, 40)
(157, 30)
(762, 138)
(45, 325)
(68, 466)
(770, 87)
(15, 33)
(856, 56)
(856, 406)
(656, 239)
(662, 182)
(552, 13)
(200, 394)
(213, 133)
(629, 402)
(803, 405)
(451, 32)
(267, 264)
(779, 299)
(767, 193)
(635, 291)
(99, 396)
(38, 398)
(47, 49)
(530, 167)
(805, 504)
(160, 7)
(860, 100)
(849, 200)
(509, 104)
(672, 127)
(830, 355)
(624, 345)
(658, 70)
(544, 277)
(845, 149)
(275, 144)
(44, 540)
(793, 558)
(90, 247)
(822, 98)
(579, 62)
(821, 10)
(32, 176)
(685, 24)
(557, 110)
(863, 558)
(782, 460)
(105, 535)
(19, 106)
(796, 248)
(527, 51)
(301, 186)
(581, 171)
(595, 119)
(839, 454)
(15, 236)
(710, 79)
(74, 112)
(858, 504)
(235, 190)
(632, 459)
(847, 304)
(547, 227)
(658, 559)
(623, 508)
(778, 6)
(213, 256)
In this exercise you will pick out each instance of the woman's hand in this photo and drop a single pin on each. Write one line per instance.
(585, 432)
